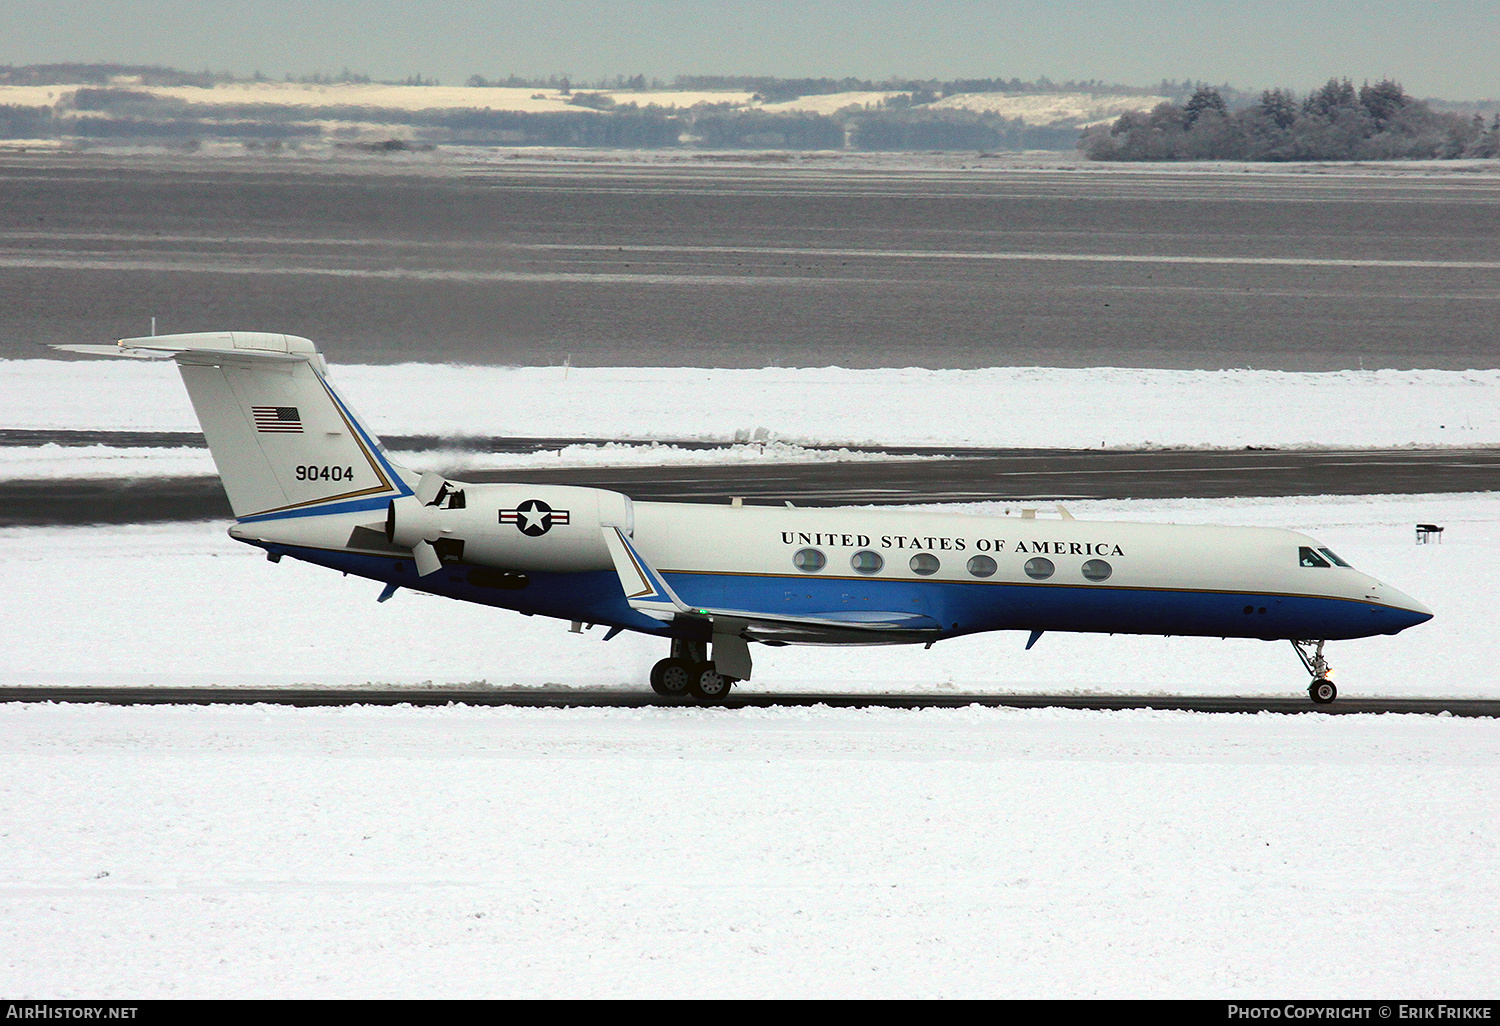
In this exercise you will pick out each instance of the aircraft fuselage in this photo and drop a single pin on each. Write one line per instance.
(954, 574)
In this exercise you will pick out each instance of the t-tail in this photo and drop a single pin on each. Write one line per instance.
(285, 442)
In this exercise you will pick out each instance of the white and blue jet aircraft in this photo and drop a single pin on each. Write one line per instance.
(307, 479)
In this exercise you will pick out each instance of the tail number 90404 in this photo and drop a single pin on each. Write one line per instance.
(311, 473)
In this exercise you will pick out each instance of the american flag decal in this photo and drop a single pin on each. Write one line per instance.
(277, 420)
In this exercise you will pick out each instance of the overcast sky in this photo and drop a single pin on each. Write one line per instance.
(1435, 47)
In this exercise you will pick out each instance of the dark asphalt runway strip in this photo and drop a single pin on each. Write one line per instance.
(1019, 475)
(820, 262)
(619, 699)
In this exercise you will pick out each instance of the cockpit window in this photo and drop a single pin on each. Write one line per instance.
(1307, 557)
(1332, 556)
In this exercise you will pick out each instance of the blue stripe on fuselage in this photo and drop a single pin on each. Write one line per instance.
(379, 502)
(965, 608)
(961, 607)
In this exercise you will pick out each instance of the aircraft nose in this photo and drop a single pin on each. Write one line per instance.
(1401, 610)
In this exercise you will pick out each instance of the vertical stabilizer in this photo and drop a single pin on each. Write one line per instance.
(284, 441)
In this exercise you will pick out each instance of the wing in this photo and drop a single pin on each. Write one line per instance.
(648, 591)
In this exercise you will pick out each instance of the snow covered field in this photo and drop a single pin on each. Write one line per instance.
(53, 461)
(1036, 108)
(267, 852)
(407, 852)
(271, 852)
(1005, 406)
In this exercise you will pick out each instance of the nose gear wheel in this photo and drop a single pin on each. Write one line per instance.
(1321, 690)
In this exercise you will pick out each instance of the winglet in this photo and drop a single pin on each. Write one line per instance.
(645, 589)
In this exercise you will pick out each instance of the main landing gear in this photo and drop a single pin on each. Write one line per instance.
(689, 672)
(1321, 690)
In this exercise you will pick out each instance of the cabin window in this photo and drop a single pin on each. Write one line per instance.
(809, 561)
(1332, 556)
(924, 563)
(982, 566)
(867, 562)
(1307, 557)
(1097, 570)
(1040, 568)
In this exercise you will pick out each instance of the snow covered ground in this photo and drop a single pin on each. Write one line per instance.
(1006, 406)
(52, 461)
(1080, 109)
(1036, 108)
(347, 95)
(268, 852)
(689, 852)
(407, 852)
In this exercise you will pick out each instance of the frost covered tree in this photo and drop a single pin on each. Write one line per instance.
(1334, 122)
(1204, 99)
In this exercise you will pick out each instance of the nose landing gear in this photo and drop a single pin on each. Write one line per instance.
(1321, 690)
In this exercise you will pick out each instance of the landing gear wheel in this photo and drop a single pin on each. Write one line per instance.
(1322, 691)
(670, 677)
(708, 684)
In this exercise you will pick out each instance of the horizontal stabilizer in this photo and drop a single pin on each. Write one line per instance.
(88, 350)
(212, 348)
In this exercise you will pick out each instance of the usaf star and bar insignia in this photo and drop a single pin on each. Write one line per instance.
(533, 517)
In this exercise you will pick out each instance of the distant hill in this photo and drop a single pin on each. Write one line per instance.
(79, 105)
(94, 104)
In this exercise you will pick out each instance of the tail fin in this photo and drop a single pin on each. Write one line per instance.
(285, 442)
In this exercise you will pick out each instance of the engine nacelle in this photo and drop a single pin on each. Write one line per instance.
(512, 527)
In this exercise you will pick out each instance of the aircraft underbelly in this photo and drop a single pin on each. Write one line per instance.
(963, 608)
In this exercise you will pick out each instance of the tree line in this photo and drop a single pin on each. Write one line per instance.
(1334, 122)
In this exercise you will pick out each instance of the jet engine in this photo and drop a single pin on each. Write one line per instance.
(507, 526)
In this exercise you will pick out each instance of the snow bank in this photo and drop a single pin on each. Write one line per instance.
(1006, 406)
(1049, 108)
(318, 853)
(52, 461)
